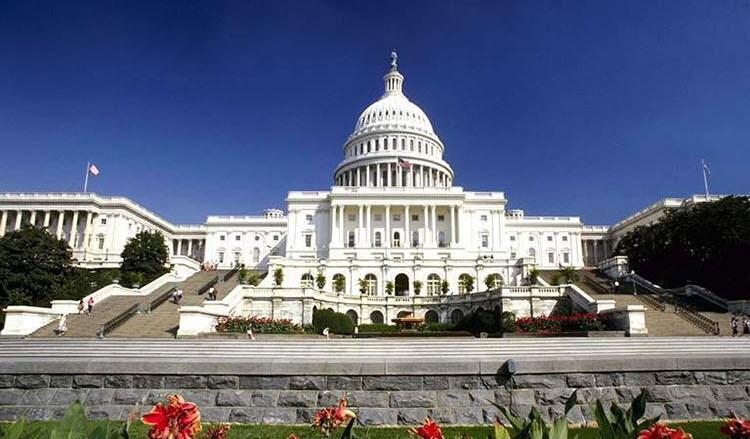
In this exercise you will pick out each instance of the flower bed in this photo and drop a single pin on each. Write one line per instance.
(259, 325)
(559, 324)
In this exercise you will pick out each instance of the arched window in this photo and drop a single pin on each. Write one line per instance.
(433, 285)
(306, 281)
(376, 317)
(396, 239)
(415, 238)
(431, 317)
(441, 239)
(495, 281)
(465, 284)
(532, 253)
(456, 316)
(372, 284)
(378, 239)
(353, 315)
(339, 283)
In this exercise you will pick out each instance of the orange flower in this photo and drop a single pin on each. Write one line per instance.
(736, 428)
(331, 418)
(292, 436)
(429, 430)
(177, 420)
(217, 432)
(661, 431)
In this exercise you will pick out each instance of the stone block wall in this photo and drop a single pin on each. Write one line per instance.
(378, 400)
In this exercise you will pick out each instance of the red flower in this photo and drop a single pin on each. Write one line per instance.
(292, 436)
(177, 420)
(217, 432)
(736, 428)
(661, 431)
(429, 430)
(331, 418)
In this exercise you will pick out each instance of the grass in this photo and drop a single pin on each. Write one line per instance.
(699, 430)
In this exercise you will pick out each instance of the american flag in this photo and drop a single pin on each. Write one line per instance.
(404, 164)
(93, 170)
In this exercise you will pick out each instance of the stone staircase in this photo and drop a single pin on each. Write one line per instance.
(158, 323)
(164, 320)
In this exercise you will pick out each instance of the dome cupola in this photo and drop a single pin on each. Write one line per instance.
(393, 143)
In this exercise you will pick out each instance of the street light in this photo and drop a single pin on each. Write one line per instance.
(632, 278)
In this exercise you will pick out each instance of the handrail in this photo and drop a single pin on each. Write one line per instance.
(118, 320)
(163, 297)
(698, 320)
(231, 273)
(652, 302)
(214, 280)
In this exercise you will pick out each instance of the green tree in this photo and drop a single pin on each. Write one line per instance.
(339, 283)
(492, 280)
(468, 282)
(33, 266)
(320, 280)
(533, 277)
(278, 276)
(145, 253)
(567, 275)
(706, 244)
(417, 287)
(389, 288)
(253, 279)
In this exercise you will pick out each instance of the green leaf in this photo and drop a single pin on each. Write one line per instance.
(605, 426)
(571, 402)
(622, 423)
(638, 407)
(16, 430)
(537, 429)
(516, 422)
(500, 431)
(559, 429)
(347, 433)
(647, 423)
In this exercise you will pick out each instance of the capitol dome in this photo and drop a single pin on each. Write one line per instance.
(393, 144)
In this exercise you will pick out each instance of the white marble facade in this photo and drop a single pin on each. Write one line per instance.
(393, 214)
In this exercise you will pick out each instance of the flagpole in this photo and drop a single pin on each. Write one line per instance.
(705, 178)
(86, 180)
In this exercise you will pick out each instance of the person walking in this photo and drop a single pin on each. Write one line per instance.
(733, 325)
(90, 306)
(746, 325)
(80, 306)
(212, 293)
(62, 326)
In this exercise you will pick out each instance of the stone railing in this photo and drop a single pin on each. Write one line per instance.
(582, 300)
(614, 267)
(631, 319)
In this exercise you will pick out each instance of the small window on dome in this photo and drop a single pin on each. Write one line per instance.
(403, 142)
(400, 113)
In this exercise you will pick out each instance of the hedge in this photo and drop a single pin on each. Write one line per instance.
(336, 322)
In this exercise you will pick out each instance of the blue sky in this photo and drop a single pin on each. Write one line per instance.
(591, 108)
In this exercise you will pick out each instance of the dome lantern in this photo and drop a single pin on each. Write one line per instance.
(394, 80)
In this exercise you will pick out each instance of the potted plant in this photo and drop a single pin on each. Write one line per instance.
(417, 287)
(320, 280)
(444, 287)
(389, 288)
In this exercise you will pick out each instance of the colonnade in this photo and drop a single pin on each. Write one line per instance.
(11, 220)
(594, 251)
(193, 248)
(367, 236)
(394, 175)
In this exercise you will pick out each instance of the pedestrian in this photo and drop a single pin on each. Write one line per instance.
(326, 332)
(735, 329)
(250, 334)
(212, 293)
(174, 296)
(80, 306)
(617, 286)
(179, 295)
(746, 324)
(90, 305)
(62, 326)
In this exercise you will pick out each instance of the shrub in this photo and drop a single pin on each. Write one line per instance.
(278, 277)
(438, 327)
(259, 325)
(485, 321)
(336, 322)
(320, 280)
(557, 324)
(378, 327)
(389, 287)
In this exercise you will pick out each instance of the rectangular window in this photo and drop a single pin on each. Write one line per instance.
(512, 238)
(565, 239)
(308, 218)
(551, 258)
(485, 240)
(104, 221)
(352, 217)
(513, 255)
(483, 217)
(415, 217)
(566, 258)
(351, 239)
(100, 242)
(441, 217)
(238, 237)
(549, 239)
(275, 237)
(221, 257)
(396, 217)
(308, 240)
(222, 238)
(378, 217)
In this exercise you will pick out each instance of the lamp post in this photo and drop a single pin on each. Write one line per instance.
(632, 278)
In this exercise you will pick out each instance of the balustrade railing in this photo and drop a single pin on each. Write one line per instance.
(118, 320)
(698, 320)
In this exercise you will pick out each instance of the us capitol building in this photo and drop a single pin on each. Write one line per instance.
(392, 215)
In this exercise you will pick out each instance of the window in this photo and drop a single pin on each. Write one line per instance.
(238, 237)
(372, 284)
(308, 218)
(565, 238)
(485, 240)
(396, 217)
(513, 255)
(350, 239)
(396, 239)
(308, 240)
(566, 258)
(441, 217)
(100, 242)
(531, 238)
(257, 237)
(221, 257)
(339, 283)
(306, 281)
(378, 217)
(433, 285)
(551, 257)
(532, 253)
(378, 239)
(275, 237)
(104, 221)
(512, 238)
(237, 258)
(465, 284)
(415, 238)
(256, 255)
(352, 217)
(549, 239)
(222, 238)
(415, 217)
(483, 218)
(441, 239)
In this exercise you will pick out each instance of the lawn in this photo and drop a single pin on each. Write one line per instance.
(699, 430)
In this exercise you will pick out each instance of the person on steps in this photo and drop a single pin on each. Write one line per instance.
(80, 306)
(90, 306)
(62, 326)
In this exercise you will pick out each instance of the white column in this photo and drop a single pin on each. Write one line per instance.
(342, 238)
(368, 226)
(359, 180)
(407, 220)
(434, 225)
(426, 227)
(361, 232)
(453, 226)
(388, 177)
(190, 248)
(3, 222)
(46, 219)
(87, 230)
(32, 219)
(367, 176)
(73, 230)
(19, 216)
(60, 221)
(388, 226)
(332, 219)
(378, 181)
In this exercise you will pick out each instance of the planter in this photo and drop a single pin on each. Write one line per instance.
(602, 334)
